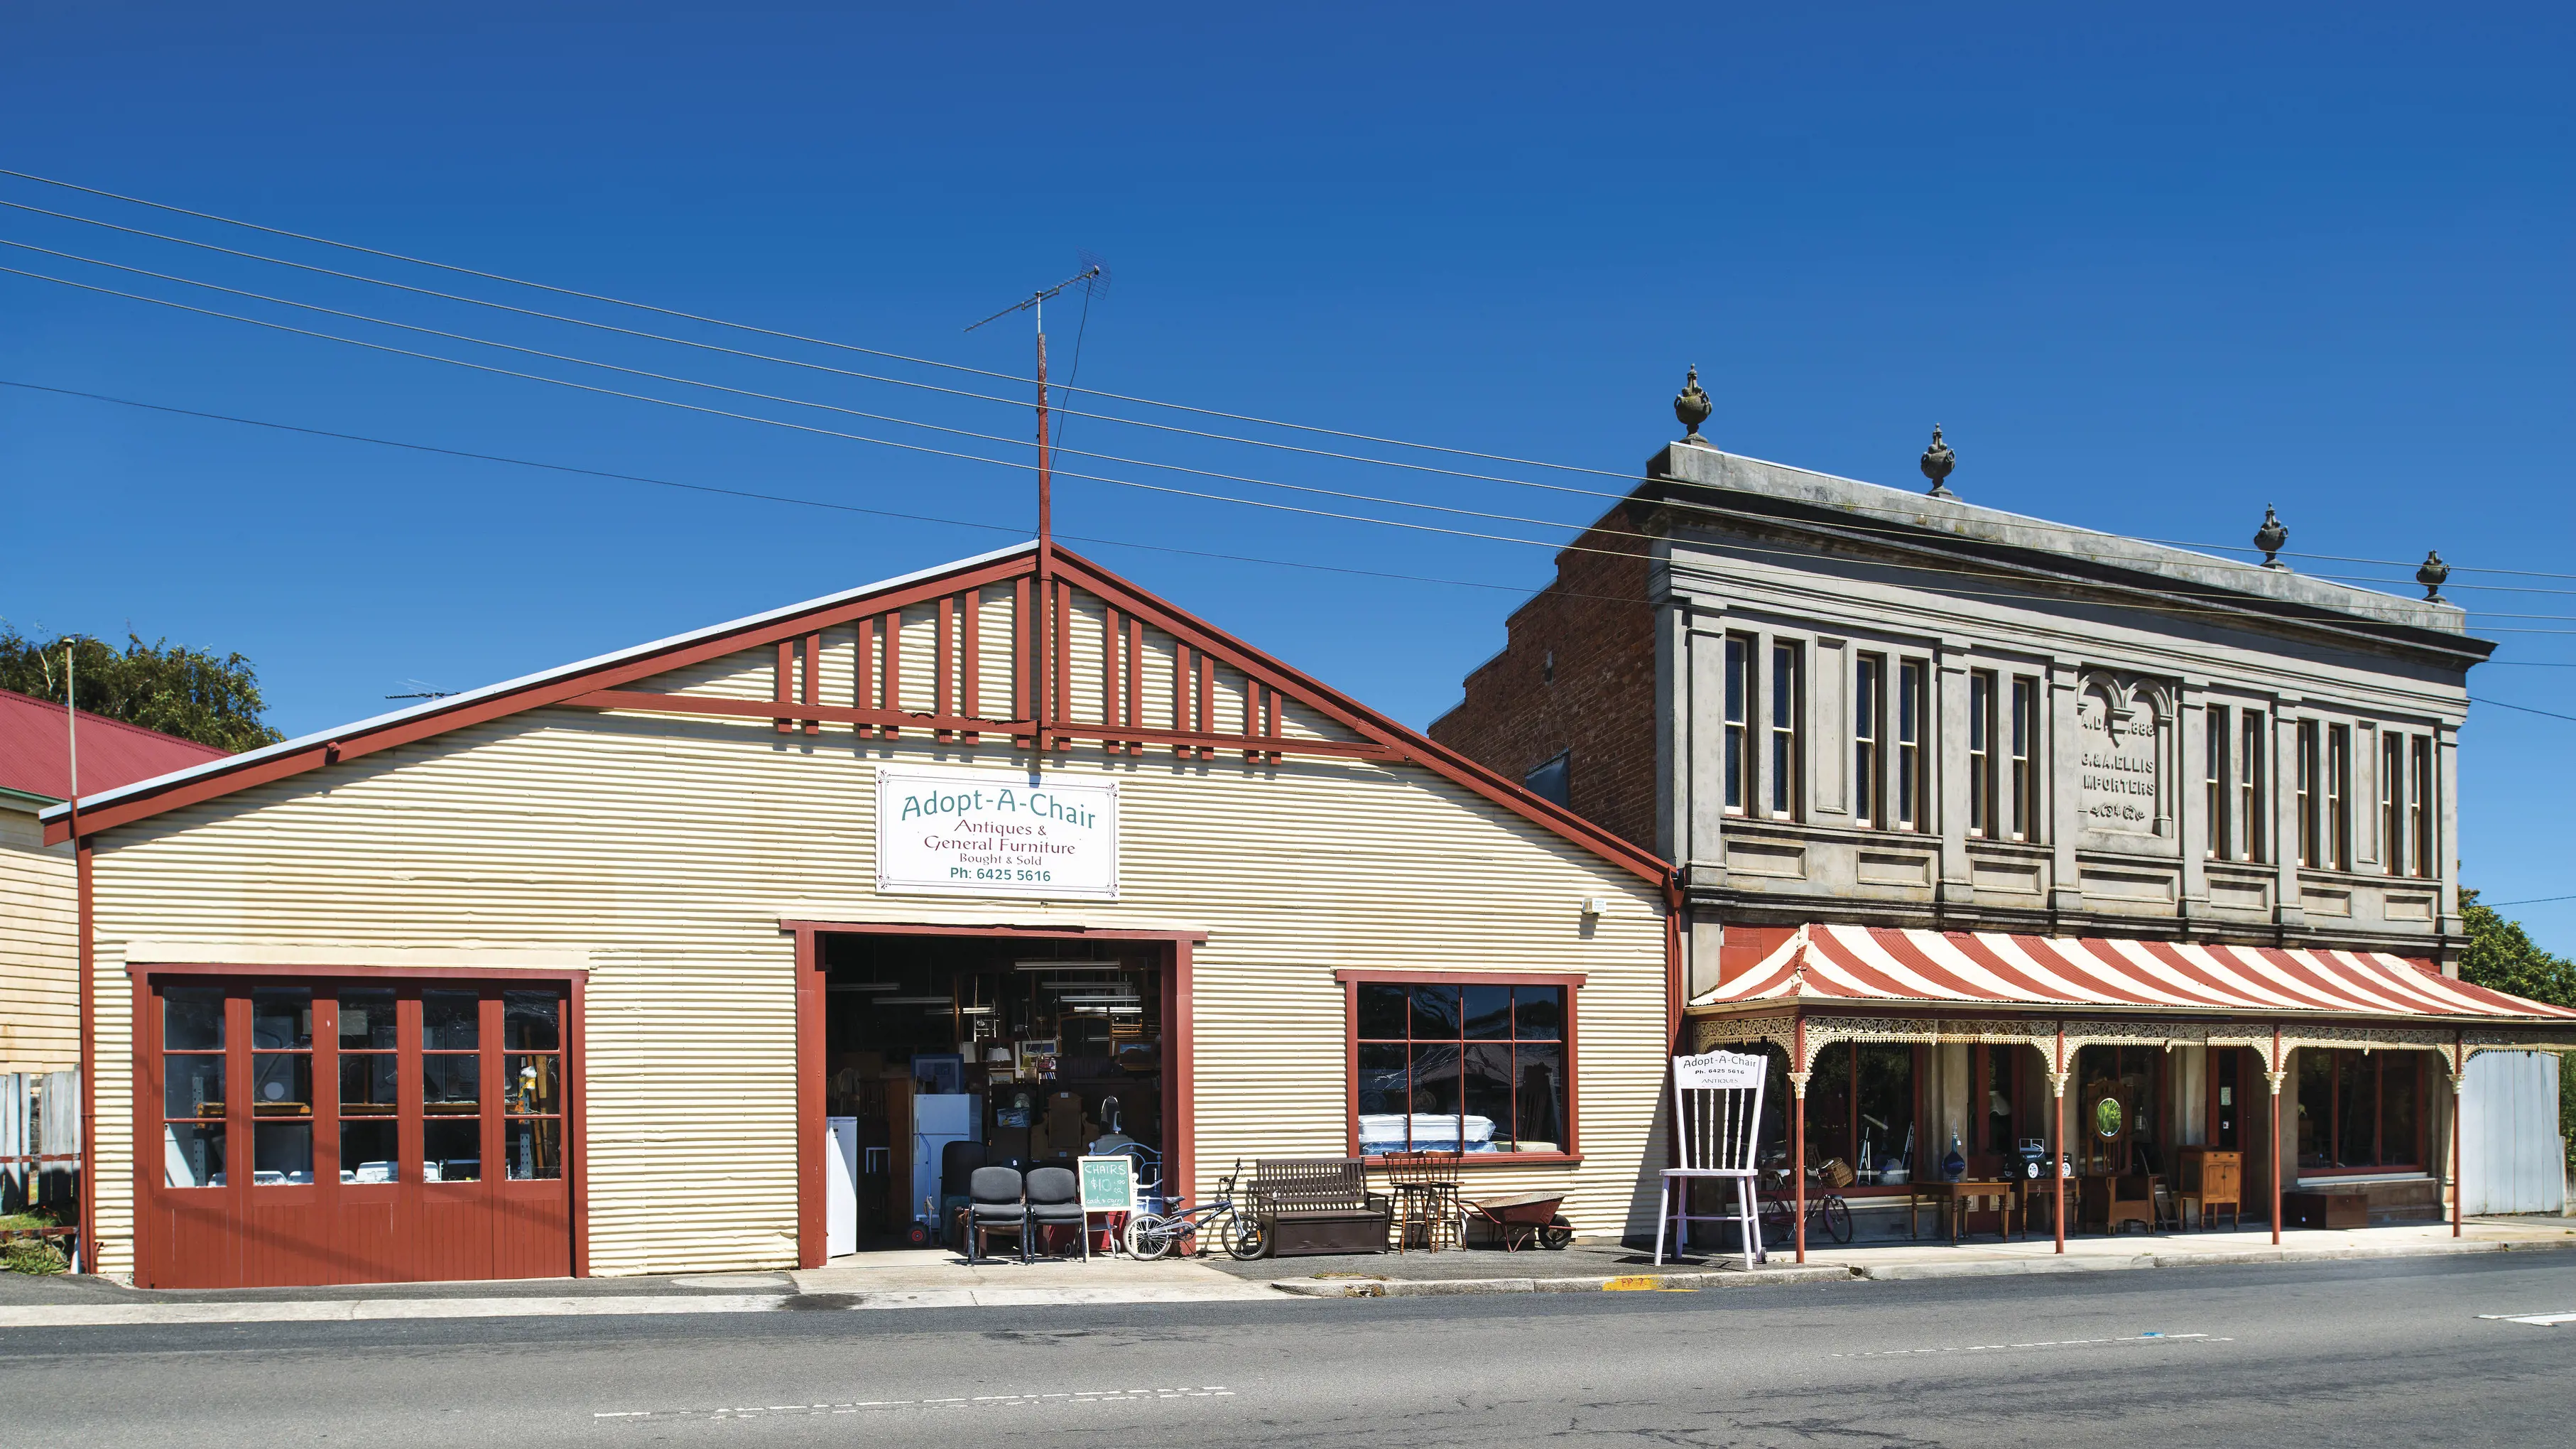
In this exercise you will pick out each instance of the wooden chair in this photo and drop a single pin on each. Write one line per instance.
(1717, 1117)
(2115, 1200)
(1425, 1188)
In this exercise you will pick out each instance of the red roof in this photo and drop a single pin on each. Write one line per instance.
(35, 750)
(1821, 962)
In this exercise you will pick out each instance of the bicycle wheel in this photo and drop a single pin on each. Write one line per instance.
(1148, 1236)
(1838, 1218)
(1244, 1238)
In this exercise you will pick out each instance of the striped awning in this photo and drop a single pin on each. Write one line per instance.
(1825, 963)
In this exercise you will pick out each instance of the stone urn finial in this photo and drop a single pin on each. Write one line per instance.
(1938, 460)
(2431, 575)
(2270, 537)
(1692, 406)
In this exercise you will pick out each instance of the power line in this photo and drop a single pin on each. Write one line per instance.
(1089, 477)
(1095, 392)
(2526, 709)
(2526, 901)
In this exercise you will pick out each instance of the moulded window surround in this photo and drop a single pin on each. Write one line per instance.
(1869, 732)
(1739, 722)
(2215, 769)
(1785, 766)
(1913, 732)
(2025, 748)
(2338, 807)
(2419, 806)
(2310, 796)
(2392, 801)
(2253, 735)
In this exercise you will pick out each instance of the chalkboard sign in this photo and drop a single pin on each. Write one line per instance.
(1109, 1184)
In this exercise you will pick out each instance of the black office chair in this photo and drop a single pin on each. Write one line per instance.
(994, 1204)
(1055, 1196)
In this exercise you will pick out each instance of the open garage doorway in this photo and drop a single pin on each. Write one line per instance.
(947, 1050)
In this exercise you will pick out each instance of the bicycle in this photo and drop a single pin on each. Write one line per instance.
(1151, 1235)
(1825, 1208)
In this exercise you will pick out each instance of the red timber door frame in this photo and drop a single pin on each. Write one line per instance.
(1179, 1064)
(328, 1210)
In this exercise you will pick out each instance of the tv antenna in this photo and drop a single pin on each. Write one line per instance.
(1093, 279)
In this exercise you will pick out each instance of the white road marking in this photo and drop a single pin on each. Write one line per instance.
(1079, 1396)
(2047, 1343)
(2537, 1320)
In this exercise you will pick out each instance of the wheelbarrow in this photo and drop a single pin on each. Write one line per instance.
(1525, 1218)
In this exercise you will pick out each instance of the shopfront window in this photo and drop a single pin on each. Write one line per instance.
(2118, 1127)
(532, 1084)
(1475, 1067)
(2360, 1111)
(192, 1086)
(1860, 1109)
(281, 1102)
(370, 1139)
(451, 1086)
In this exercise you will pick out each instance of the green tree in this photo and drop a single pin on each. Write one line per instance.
(162, 686)
(2502, 957)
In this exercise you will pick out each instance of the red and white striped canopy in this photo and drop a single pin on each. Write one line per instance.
(1818, 962)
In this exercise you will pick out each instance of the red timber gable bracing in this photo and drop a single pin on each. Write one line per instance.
(1081, 675)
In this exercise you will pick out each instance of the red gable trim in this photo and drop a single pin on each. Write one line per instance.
(569, 686)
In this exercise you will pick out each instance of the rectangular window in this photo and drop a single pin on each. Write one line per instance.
(1869, 716)
(1739, 705)
(281, 1086)
(370, 1136)
(1786, 759)
(1553, 780)
(2310, 797)
(1860, 1108)
(1982, 791)
(2359, 1111)
(532, 1084)
(2419, 808)
(1448, 1067)
(451, 1086)
(1913, 729)
(2339, 797)
(193, 1032)
(2025, 773)
(2219, 795)
(2251, 766)
(2392, 800)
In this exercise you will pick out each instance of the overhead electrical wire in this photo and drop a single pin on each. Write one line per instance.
(1013, 377)
(1093, 477)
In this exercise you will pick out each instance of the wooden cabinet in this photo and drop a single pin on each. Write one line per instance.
(2210, 1178)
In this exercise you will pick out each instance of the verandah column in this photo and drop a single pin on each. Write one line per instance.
(2056, 1127)
(1798, 1129)
(2272, 1075)
(2459, 1087)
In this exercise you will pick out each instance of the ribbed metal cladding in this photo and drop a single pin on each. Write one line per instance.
(666, 849)
(39, 953)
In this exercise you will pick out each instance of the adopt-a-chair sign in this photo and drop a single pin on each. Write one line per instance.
(1713, 1070)
(996, 833)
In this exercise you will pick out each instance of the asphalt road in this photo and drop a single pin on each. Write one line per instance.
(2382, 1353)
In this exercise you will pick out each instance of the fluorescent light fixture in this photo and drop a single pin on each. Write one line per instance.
(916, 1000)
(1080, 986)
(1128, 1000)
(1067, 966)
(865, 986)
(975, 1011)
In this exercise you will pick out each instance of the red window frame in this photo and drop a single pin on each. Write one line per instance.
(1351, 979)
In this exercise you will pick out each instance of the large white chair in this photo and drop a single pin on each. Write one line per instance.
(1717, 1116)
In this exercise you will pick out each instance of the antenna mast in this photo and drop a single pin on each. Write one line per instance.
(1090, 276)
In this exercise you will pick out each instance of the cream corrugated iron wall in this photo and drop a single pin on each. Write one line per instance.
(39, 953)
(667, 849)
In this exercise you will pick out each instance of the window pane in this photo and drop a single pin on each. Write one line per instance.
(528, 1022)
(1538, 1013)
(1998, 1103)
(281, 1084)
(1885, 1093)
(1383, 1011)
(1489, 1012)
(1487, 1096)
(533, 1086)
(192, 1156)
(1382, 1083)
(450, 1021)
(1539, 1121)
(281, 1019)
(2356, 1109)
(192, 1018)
(2316, 1108)
(281, 1154)
(1435, 1078)
(1435, 1011)
(1829, 1107)
(367, 1085)
(533, 1149)
(370, 1151)
(366, 1021)
(452, 1151)
(2398, 1076)
(451, 1083)
(192, 1085)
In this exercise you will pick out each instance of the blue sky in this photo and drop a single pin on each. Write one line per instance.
(2152, 273)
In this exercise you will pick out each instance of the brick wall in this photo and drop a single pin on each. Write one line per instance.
(1599, 698)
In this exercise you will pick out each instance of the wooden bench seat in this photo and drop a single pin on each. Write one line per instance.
(1309, 1205)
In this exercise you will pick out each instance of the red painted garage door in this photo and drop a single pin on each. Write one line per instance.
(353, 1131)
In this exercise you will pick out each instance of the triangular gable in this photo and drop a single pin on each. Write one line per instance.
(1079, 608)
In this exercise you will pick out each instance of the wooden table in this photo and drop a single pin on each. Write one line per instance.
(1955, 1200)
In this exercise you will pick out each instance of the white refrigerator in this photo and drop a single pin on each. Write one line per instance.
(840, 1186)
(938, 1119)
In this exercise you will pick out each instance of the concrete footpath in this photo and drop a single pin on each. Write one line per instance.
(936, 1279)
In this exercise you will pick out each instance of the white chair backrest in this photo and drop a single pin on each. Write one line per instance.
(1717, 1109)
